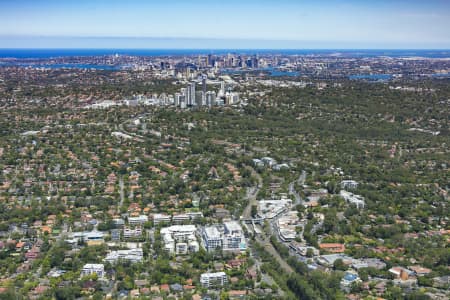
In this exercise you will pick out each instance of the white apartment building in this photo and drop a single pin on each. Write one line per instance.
(180, 239)
(228, 236)
(161, 218)
(212, 238)
(349, 184)
(213, 279)
(353, 199)
(132, 255)
(180, 218)
(233, 237)
(138, 220)
(131, 233)
(90, 269)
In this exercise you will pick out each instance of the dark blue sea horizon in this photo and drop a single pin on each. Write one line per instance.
(23, 53)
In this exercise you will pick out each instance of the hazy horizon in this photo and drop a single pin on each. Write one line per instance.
(285, 24)
(183, 43)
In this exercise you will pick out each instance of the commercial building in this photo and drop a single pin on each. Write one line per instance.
(91, 238)
(287, 225)
(269, 209)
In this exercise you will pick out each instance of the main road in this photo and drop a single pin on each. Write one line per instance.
(301, 181)
(252, 192)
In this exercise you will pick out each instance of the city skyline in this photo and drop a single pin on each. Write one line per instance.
(346, 24)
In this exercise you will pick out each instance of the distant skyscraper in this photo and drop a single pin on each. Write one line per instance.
(209, 62)
(188, 73)
(204, 77)
(190, 96)
(255, 62)
(203, 97)
(222, 89)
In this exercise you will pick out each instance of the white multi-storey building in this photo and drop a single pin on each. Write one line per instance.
(138, 220)
(349, 184)
(161, 218)
(353, 199)
(213, 279)
(180, 239)
(180, 218)
(90, 269)
(226, 237)
(233, 237)
(132, 255)
(212, 238)
(131, 233)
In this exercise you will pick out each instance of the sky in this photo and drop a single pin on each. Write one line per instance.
(300, 24)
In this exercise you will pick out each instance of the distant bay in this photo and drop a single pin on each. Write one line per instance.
(53, 53)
